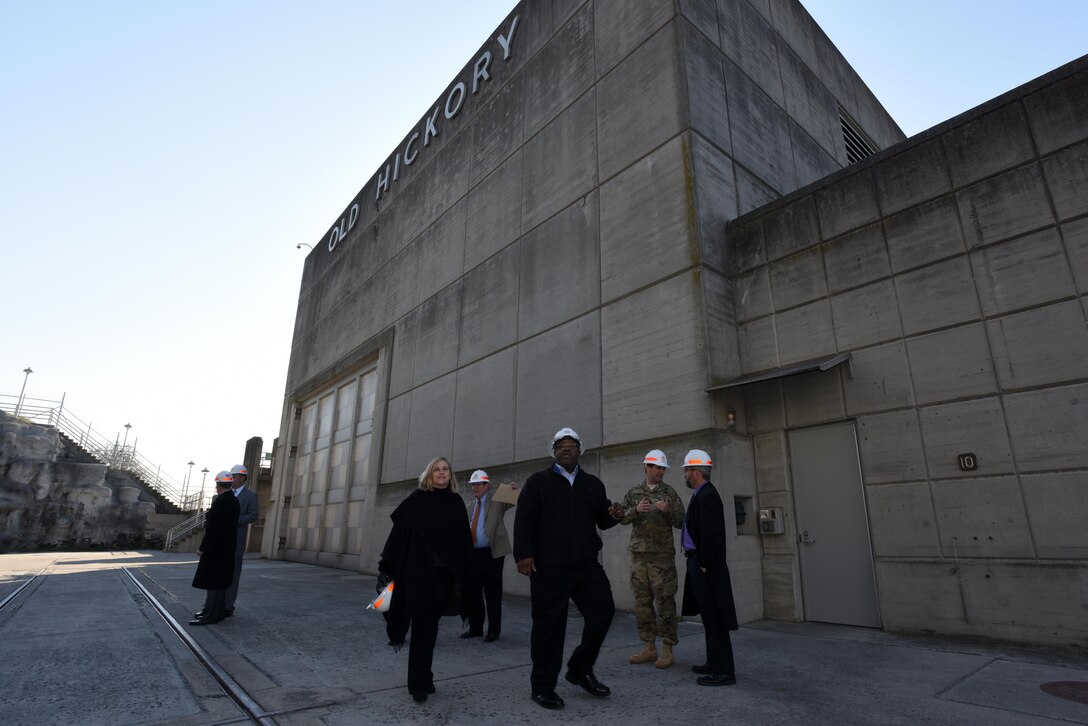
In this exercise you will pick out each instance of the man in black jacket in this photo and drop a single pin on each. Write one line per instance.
(216, 567)
(707, 589)
(556, 544)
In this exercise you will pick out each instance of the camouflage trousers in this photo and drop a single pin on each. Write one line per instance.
(653, 581)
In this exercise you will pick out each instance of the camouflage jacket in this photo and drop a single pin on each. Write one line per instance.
(652, 530)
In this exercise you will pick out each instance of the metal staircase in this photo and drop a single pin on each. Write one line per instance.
(120, 457)
(183, 530)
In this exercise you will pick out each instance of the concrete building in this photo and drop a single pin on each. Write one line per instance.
(644, 220)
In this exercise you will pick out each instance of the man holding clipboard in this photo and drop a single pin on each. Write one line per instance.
(490, 545)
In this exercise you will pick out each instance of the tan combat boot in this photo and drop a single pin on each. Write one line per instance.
(646, 655)
(666, 656)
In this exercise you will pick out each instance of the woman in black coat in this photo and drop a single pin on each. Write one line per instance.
(216, 568)
(426, 555)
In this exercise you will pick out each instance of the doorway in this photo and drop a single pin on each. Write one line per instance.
(838, 582)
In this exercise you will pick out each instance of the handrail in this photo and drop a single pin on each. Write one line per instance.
(176, 534)
(112, 454)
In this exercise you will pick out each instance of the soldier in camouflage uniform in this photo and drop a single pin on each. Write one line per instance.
(654, 509)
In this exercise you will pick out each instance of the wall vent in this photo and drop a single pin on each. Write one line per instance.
(857, 145)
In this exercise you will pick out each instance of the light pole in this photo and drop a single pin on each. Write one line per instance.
(188, 476)
(299, 245)
(203, 479)
(124, 445)
(19, 403)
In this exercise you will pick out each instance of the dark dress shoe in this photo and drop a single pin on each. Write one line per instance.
(419, 697)
(203, 621)
(726, 679)
(703, 670)
(589, 684)
(471, 634)
(491, 637)
(200, 613)
(228, 612)
(548, 699)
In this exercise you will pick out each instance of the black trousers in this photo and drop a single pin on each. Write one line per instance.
(423, 636)
(485, 586)
(551, 589)
(719, 648)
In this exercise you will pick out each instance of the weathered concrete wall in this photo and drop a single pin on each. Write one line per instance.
(954, 269)
(51, 500)
(553, 255)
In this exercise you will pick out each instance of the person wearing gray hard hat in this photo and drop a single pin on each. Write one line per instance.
(556, 544)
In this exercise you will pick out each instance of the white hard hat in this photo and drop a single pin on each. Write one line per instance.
(697, 457)
(657, 458)
(238, 469)
(224, 477)
(478, 477)
(566, 433)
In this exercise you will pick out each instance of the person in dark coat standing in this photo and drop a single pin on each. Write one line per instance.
(216, 568)
(556, 545)
(707, 589)
(426, 555)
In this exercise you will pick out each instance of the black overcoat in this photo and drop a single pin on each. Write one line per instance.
(216, 568)
(706, 524)
(430, 530)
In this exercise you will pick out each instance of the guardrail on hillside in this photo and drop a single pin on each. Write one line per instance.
(113, 454)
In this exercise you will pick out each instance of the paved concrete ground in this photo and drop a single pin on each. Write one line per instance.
(81, 645)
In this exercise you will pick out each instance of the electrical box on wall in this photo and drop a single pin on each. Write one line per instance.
(771, 521)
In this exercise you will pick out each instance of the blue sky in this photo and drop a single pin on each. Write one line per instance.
(161, 160)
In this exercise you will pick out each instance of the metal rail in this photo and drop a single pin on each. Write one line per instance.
(22, 587)
(176, 534)
(230, 686)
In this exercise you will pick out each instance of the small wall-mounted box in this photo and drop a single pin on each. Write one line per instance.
(771, 521)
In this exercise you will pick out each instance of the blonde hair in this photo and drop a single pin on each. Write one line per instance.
(425, 478)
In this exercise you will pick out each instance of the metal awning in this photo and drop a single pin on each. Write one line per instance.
(816, 364)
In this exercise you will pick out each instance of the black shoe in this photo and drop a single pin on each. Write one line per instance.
(548, 699)
(203, 621)
(491, 637)
(228, 612)
(430, 688)
(200, 613)
(471, 634)
(419, 697)
(589, 684)
(726, 679)
(703, 670)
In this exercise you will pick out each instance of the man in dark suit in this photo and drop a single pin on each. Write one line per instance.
(247, 503)
(707, 589)
(490, 545)
(556, 545)
(217, 552)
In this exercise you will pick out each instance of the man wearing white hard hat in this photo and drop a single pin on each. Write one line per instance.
(247, 503)
(556, 544)
(216, 567)
(653, 509)
(708, 591)
(490, 545)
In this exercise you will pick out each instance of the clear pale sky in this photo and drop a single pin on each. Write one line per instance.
(159, 162)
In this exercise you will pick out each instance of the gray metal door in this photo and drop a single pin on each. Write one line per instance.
(837, 579)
